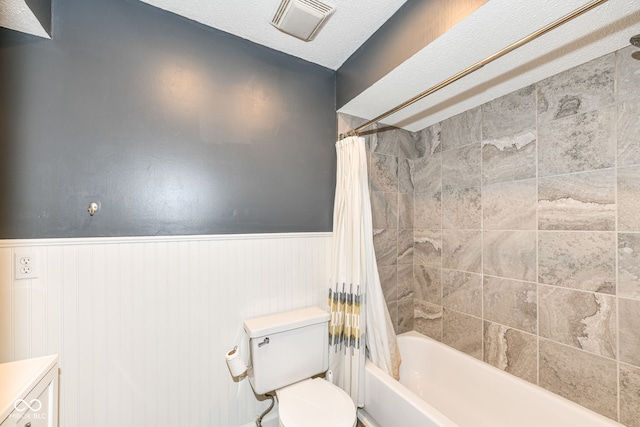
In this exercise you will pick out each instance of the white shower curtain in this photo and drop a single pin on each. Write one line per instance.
(359, 314)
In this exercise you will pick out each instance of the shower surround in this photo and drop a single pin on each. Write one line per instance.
(511, 232)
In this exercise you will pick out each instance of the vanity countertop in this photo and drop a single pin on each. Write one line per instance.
(18, 378)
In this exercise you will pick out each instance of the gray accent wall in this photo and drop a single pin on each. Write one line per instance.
(412, 27)
(173, 127)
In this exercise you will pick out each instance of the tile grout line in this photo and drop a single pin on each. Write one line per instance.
(537, 232)
(482, 290)
(616, 240)
(442, 151)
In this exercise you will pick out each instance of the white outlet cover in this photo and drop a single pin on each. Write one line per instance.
(25, 266)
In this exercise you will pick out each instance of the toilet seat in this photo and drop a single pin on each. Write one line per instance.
(315, 403)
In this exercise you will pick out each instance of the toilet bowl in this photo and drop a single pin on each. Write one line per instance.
(315, 403)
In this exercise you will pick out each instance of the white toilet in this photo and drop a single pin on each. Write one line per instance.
(287, 349)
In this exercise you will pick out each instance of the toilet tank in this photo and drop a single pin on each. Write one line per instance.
(287, 347)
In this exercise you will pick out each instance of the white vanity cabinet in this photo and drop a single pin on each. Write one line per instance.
(29, 393)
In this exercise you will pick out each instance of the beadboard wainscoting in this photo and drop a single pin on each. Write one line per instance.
(142, 325)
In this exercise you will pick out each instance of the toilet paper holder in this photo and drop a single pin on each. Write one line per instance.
(236, 365)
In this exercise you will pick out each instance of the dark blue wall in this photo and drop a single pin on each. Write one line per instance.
(175, 128)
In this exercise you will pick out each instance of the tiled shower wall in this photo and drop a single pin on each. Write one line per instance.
(525, 217)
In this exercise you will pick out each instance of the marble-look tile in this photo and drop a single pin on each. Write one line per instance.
(393, 314)
(348, 122)
(510, 254)
(584, 320)
(629, 322)
(384, 173)
(461, 208)
(629, 265)
(462, 250)
(385, 243)
(583, 201)
(462, 332)
(462, 292)
(509, 158)
(461, 129)
(629, 133)
(427, 210)
(427, 174)
(578, 260)
(585, 378)
(386, 141)
(405, 246)
(629, 198)
(405, 281)
(628, 78)
(427, 319)
(510, 205)
(427, 247)
(512, 351)
(384, 209)
(511, 303)
(629, 395)
(388, 282)
(429, 142)
(405, 315)
(587, 87)
(461, 167)
(509, 114)
(427, 283)
(578, 143)
(405, 211)
(405, 179)
(409, 146)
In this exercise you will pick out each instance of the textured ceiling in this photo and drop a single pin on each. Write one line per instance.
(16, 15)
(346, 30)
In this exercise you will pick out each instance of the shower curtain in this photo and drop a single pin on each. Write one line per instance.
(359, 315)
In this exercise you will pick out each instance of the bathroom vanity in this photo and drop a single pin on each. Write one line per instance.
(29, 392)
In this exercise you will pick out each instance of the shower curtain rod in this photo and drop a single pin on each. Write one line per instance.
(478, 65)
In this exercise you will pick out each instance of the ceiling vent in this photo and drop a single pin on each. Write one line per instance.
(301, 18)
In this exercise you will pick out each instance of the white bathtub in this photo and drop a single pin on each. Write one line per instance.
(442, 387)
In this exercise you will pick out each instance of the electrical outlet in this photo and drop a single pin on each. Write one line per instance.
(25, 266)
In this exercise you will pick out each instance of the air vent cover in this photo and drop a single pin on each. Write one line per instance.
(301, 18)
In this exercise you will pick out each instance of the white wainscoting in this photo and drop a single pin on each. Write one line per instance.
(142, 325)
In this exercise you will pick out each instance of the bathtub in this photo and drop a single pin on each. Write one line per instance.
(442, 387)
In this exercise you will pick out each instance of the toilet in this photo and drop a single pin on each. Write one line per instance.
(287, 350)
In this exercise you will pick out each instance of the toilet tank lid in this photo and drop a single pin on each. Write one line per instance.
(261, 326)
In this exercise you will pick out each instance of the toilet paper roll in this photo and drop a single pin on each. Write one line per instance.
(235, 363)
